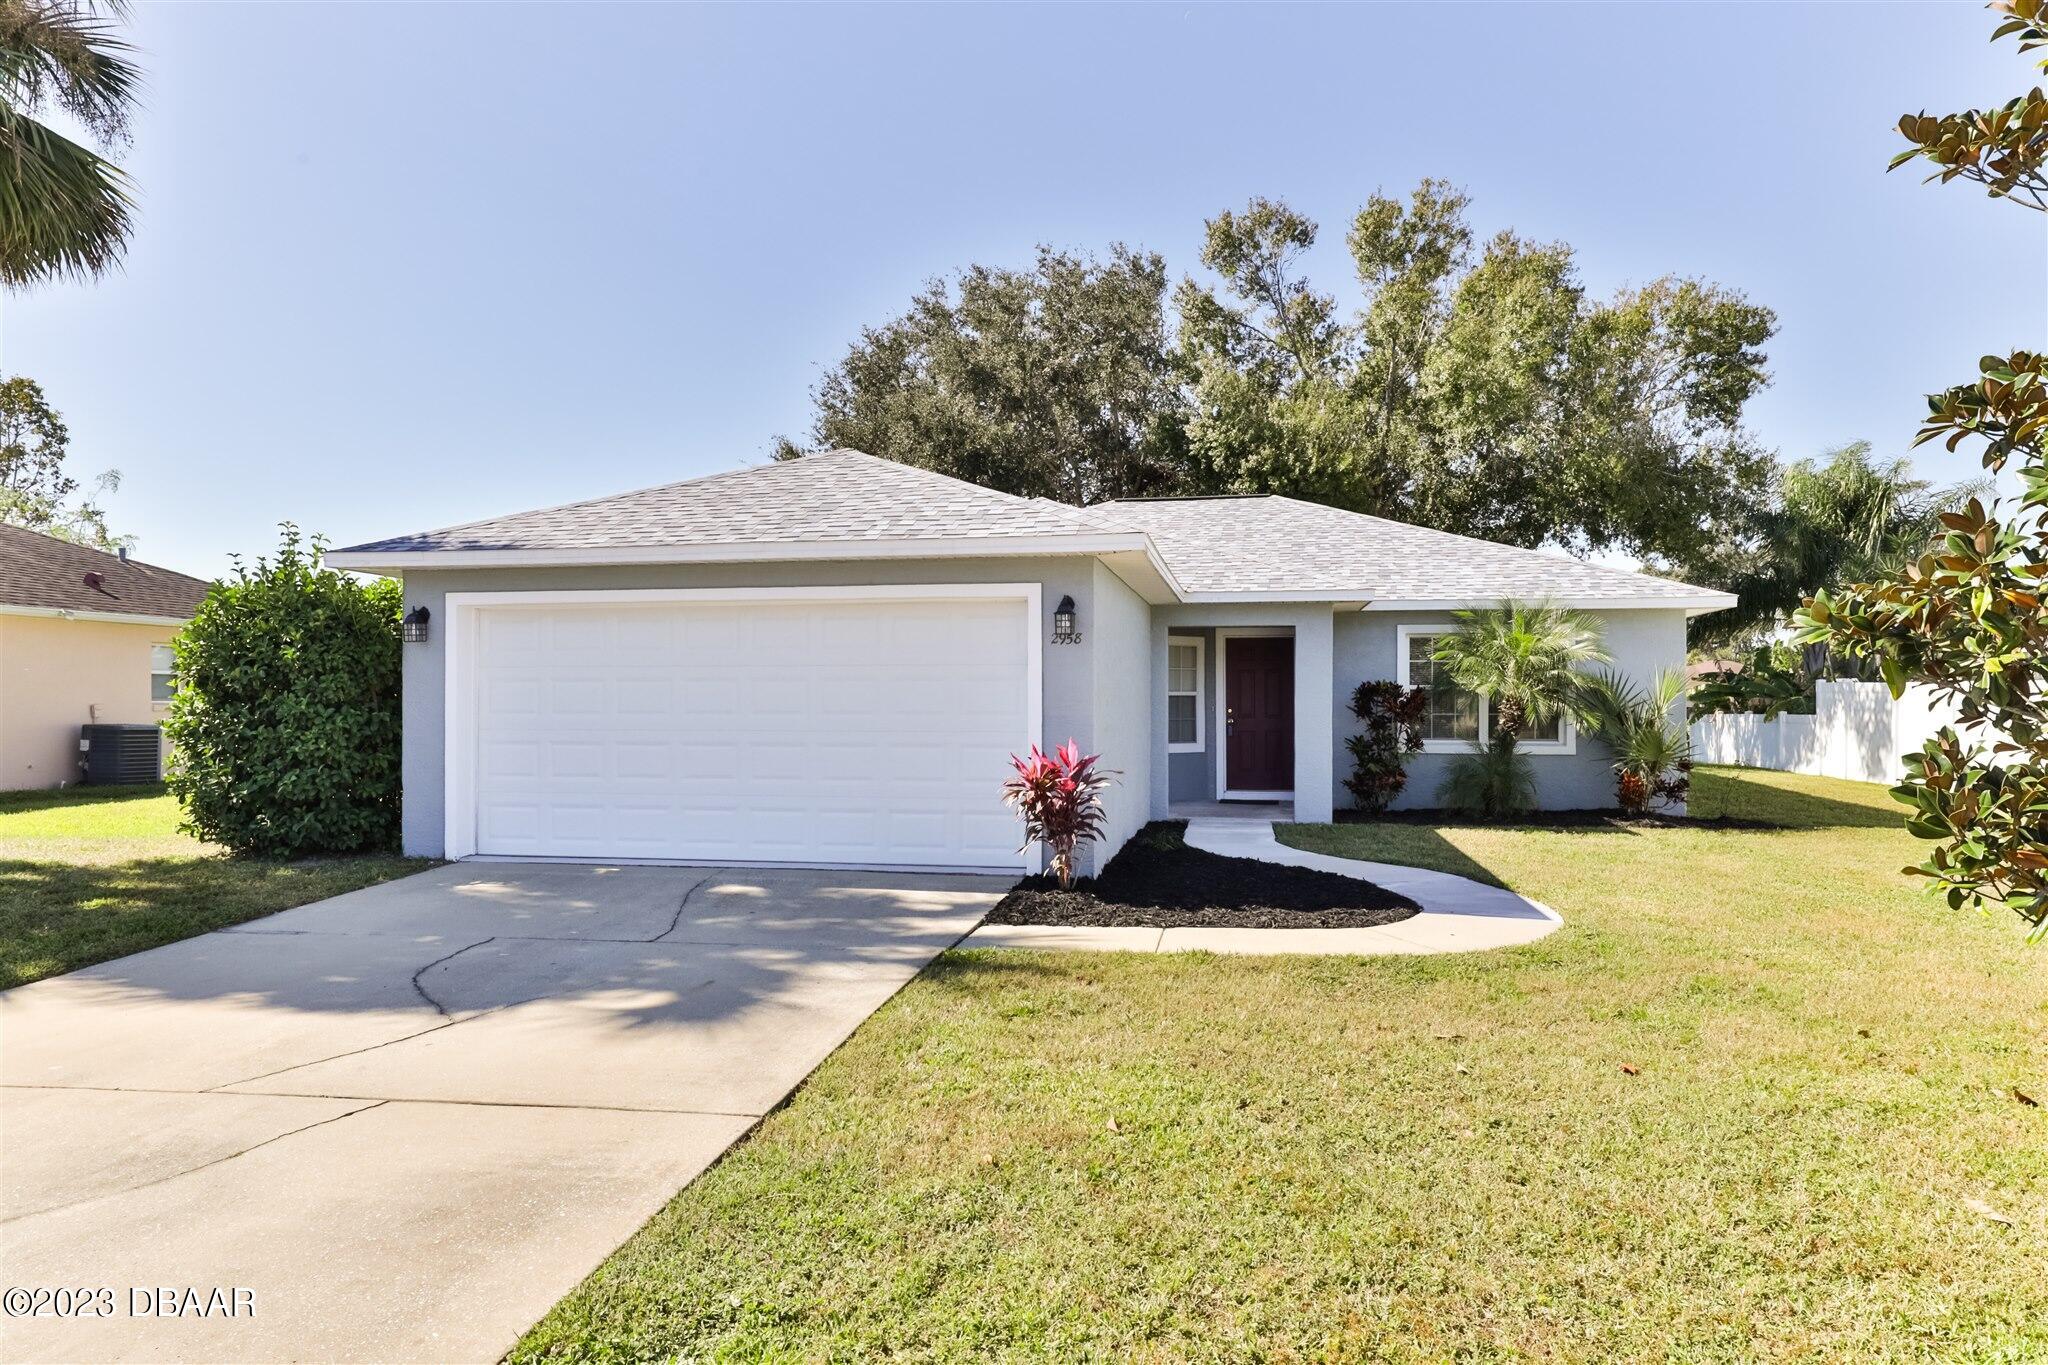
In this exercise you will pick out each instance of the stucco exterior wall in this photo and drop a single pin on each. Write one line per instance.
(1069, 701)
(1120, 627)
(54, 672)
(1643, 642)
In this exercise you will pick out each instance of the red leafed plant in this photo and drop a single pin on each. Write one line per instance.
(1059, 795)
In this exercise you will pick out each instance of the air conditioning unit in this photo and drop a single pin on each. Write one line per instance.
(120, 753)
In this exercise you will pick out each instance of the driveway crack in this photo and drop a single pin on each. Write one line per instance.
(675, 922)
(439, 1008)
(191, 1170)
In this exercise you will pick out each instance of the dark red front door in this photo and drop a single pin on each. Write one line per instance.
(1258, 697)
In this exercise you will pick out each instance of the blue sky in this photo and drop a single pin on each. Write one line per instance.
(400, 266)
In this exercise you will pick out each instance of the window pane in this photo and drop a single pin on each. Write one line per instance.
(159, 687)
(160, 657)
(1453, 713)
(1180, 668)
(1180, 720)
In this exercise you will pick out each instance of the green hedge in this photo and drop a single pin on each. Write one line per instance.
(285, 724)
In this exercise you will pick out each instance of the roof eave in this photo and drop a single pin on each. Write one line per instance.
(369, 559)
(116, 618)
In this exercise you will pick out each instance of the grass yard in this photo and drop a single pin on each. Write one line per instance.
(1754, 1101)
(92, 873)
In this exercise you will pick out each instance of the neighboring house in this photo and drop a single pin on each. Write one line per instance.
(84, 636)
(827, 660)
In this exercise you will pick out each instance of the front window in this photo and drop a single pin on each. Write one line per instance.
(161, 679)
(1455, 720)
(1183, 695)
(1453, 712)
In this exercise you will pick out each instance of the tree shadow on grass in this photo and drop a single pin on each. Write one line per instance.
(62, 798)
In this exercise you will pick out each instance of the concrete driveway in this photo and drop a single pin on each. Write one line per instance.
(408, 1119)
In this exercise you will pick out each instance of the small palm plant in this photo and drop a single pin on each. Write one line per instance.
(1652, 755)
(1527, 663)
(1059, 795)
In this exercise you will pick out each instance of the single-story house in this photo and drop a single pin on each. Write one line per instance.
(85, 637)
(827, 661)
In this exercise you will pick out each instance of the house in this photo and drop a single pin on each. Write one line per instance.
(827, 661)
(85, 637)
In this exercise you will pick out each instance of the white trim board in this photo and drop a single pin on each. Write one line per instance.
(459, 681)
(1567, 743)
(1200, 646)
(1224, 635)
(112, 618)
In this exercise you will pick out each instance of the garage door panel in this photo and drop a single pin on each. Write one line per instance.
(873, 732)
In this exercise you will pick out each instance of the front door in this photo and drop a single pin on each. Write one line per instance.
(1258, 715)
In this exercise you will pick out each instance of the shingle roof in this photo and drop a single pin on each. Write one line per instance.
(47, 573)
(1252, 545)
(832, 495)
(1278, 544)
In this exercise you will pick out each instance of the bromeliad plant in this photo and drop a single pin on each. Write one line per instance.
(1059, 796)
(1379, 754)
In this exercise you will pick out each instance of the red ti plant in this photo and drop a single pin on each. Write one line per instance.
(1059, 796)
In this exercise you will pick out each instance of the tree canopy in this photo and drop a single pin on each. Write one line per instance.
(1475, 387)
(35, 490)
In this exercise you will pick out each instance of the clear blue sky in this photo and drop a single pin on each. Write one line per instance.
(399, 266)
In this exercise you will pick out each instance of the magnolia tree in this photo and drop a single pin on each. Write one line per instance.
(1970, 615)
(1059, 796)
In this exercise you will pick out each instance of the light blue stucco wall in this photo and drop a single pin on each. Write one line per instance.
(1070, 689)
(1643, 643)
(1119, 626)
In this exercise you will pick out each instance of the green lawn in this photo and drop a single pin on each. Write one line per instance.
(1124, 1157)
(92, 873)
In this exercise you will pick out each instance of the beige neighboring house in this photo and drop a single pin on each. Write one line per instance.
(84, 637)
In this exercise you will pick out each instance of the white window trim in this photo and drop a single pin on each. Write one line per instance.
(1566, 743)
(1200, 646)
(459, 669)
(155, 673)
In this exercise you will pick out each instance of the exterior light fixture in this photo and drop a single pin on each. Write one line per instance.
(413, 629)
(1063, 632)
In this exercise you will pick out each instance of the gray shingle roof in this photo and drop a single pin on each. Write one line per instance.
(1277, 544)
(829, 496)
(48, 574)
(1251, 545)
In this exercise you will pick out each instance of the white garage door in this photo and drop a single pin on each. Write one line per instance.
(842, 732)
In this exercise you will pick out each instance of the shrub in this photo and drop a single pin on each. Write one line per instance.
(1393, 730)
(1652, 756)
(1493, 780)
(285, 724)
(1060, 797)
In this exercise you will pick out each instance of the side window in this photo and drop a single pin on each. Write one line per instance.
(161, 680)
(1183, 694)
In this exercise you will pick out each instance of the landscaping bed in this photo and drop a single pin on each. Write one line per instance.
(1158, 882)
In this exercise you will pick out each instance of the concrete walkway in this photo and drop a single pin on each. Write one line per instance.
(1458, 914)
(408, 1119)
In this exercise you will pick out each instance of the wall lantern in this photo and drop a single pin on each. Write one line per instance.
(1063, 632)
(413, 629)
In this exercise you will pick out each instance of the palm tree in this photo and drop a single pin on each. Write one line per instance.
(1844, 518)
(1526, 663)
(1525, 660)
(64, 209)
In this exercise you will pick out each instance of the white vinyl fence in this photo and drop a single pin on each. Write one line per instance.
(1857, 731)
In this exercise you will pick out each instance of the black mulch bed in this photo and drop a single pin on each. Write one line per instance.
(1158, 882)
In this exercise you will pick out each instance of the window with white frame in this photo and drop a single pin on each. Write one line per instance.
(1454, 720)
(1184, 694)
(161, 681)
